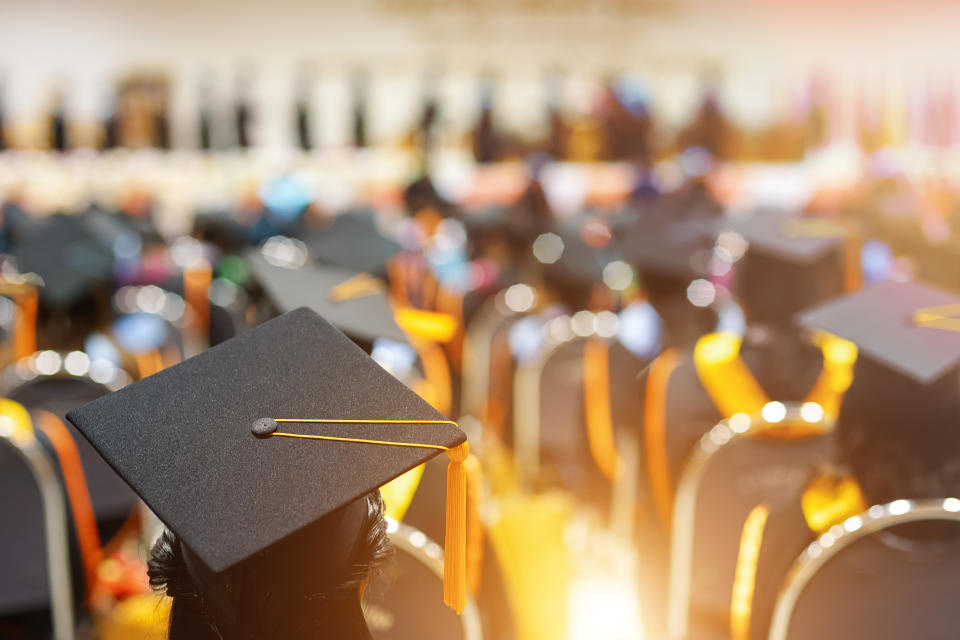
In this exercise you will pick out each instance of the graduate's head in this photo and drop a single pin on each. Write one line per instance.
(897, 426)
(900, 436)
(308, 585)
(571, 270)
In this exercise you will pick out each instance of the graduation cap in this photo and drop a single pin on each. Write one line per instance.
(789, 237)
(68, 255)
(802, 241)
(668, 247)
(353, 241)
(354, 302)
(911, 328)
(578, 266)
(272, 431)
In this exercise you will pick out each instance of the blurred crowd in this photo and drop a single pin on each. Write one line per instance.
(618, 317)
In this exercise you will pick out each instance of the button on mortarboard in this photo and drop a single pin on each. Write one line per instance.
(264, 427)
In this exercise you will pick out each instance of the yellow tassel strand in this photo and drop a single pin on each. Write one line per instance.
(475, 532)
(358, 286)
(455, 541)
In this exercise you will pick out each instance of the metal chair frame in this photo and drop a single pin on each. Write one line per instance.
(430, 554)
(55, 529)
(839, 537)
(24, 371)
(476, 368)
(526, 407)
(685, 505)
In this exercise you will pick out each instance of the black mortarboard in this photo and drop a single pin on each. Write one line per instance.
(668, 247)
(792, 238)
(212, 446)
(353, 240)
(110, 226)
(65, 252)
(579, 266)
(911, 328)
(354, 302)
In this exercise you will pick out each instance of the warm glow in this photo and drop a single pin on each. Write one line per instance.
(774, 411)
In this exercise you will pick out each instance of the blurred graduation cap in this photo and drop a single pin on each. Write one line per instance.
(911, 328)
(278, 429)
(354, 302)
(68, 255)
(668, 248)
(353, 240)
(112, 226)
(578, 265)
(802, 241)
(792, 238)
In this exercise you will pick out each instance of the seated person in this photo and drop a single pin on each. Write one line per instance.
(896, 433)
(687, 392)
(277, 522)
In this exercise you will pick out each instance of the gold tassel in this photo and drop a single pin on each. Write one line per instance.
(25, 334)
(196, 291)
(455, 541)
(475, 531)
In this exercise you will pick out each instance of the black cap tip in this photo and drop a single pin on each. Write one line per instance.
(264, 427)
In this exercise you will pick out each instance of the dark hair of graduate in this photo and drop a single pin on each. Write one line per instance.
(899, 438)
(308, 585)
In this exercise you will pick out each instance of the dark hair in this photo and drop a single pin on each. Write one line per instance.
(772, 291)
(294, 589)
(900, 438)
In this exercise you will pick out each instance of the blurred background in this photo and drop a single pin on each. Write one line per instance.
(515, 177)
(768, 63)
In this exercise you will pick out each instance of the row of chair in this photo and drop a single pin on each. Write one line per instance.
(740, 463)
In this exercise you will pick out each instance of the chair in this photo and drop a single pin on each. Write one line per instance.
(40, 532)
(478, 341)
(549, 418)
(738, 464)
(58, 382)
(528, 404)
(859, 580)
(498, 406)
(407, 600)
